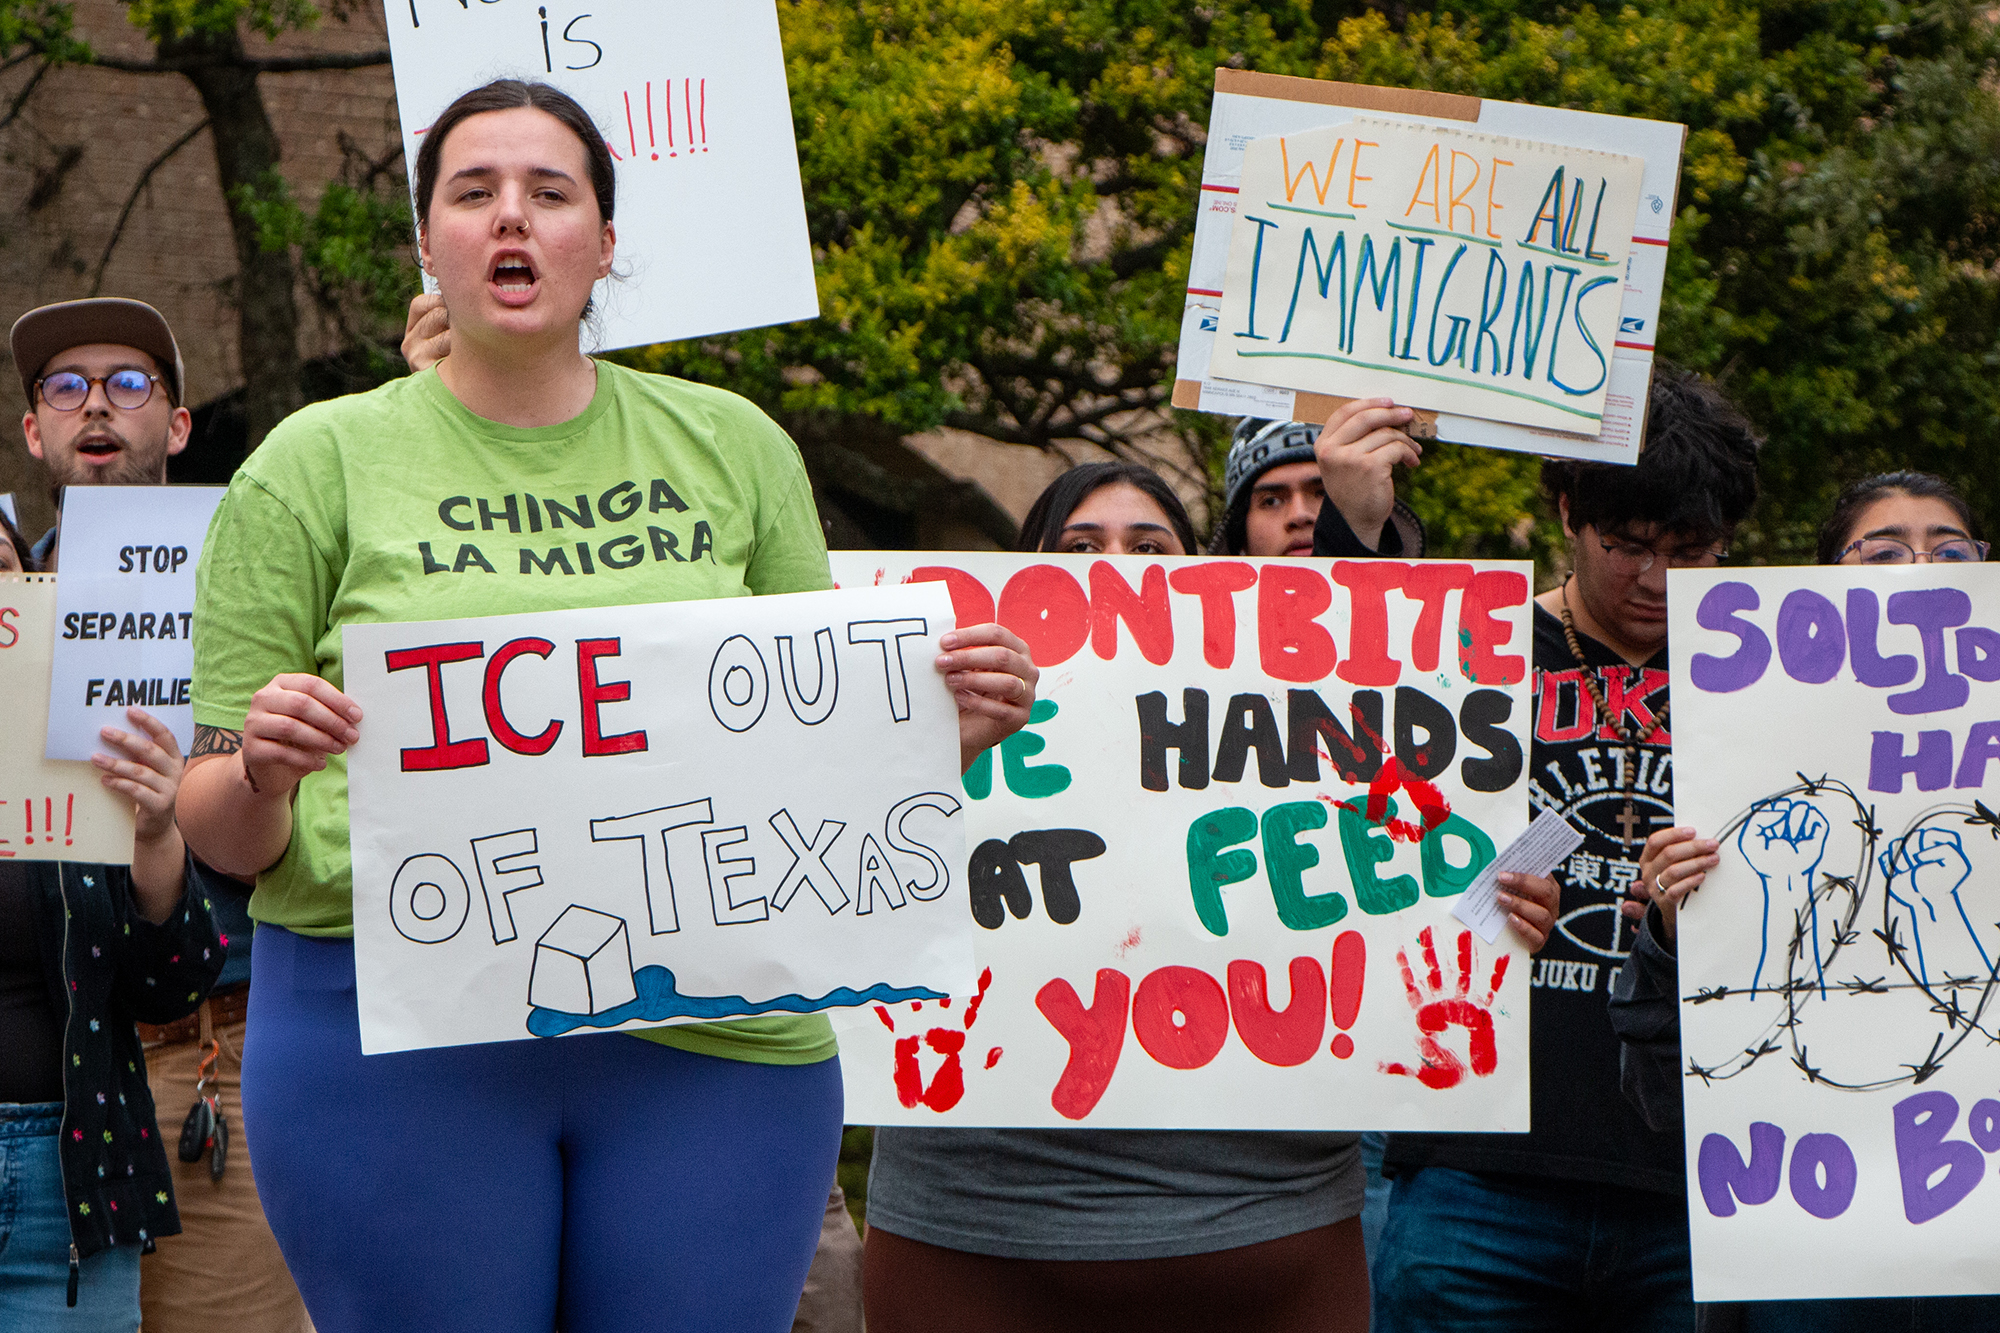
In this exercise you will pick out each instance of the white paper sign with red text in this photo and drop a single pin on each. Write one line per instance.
(574, 821)
(1213, 878)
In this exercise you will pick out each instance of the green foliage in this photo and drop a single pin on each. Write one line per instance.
(43, 29)
(354, 248)
(1001, 198)
(169, 20)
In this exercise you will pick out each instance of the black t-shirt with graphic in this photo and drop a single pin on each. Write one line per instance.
(1582, 1128)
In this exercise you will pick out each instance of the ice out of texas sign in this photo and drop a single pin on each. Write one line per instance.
(1212, 879)
(629, 816)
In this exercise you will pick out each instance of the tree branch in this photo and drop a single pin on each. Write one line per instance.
(265, 65)
(132, 200)
(21, 99)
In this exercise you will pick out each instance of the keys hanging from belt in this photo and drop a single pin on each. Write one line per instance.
(206, 1129)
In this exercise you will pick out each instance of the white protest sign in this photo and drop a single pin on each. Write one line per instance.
(126, 606)
(1833, 728)
(629, 816)
(1213, 876)
(1249, 106)
(50, 809)
(691, 99)
(1333, 285)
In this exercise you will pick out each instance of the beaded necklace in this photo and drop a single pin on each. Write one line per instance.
(1628, 735)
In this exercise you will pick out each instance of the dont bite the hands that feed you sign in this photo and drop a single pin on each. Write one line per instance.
(574, 821)
(1213, 878)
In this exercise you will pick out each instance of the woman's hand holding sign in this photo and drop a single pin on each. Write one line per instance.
(993, 679)
(294, 723)
(146, 766)
(240, 813)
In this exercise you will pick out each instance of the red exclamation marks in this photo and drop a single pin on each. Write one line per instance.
(48, 818)
(1350, 969)
(69, 819)
(687, 105)
(28, 814)
(631, 134)
(668, 102)
(651, 142)
(704, 123)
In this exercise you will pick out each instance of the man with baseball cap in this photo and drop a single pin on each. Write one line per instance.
(1279, 475)
(104, 382)
(106, 407)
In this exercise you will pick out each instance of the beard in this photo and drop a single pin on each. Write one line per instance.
(134, 466)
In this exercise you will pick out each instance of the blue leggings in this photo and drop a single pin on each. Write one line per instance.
(595, 1183)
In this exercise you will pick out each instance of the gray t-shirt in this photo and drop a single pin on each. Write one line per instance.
(1109, 1193)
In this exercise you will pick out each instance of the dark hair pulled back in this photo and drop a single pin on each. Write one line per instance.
(1835, 534)
(1042, 528)
(509, 95)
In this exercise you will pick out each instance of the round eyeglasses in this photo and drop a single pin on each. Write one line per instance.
(1892, 551)
(66, 391)
(1630, 559)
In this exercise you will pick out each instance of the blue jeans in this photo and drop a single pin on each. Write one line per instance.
(1375, 1202)
(599, 1184)
(1923, 1314)
(34, 1239)
(1497, 1253)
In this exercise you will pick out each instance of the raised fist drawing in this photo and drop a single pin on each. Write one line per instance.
(1438, 1008)
(1926, 873)
(1784, 840)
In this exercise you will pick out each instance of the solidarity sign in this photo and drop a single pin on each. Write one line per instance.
(691, 100)
(1838, 970)
(623, 817)
(1212, 880)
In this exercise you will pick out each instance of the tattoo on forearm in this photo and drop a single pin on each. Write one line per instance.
(214, 740)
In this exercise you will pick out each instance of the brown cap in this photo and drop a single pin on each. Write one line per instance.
(43, 334)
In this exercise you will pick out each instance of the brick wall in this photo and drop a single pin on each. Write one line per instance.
(69, 163)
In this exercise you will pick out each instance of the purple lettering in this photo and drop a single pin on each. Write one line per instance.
(1932, 611)
(1817, 1155)
(1719, 610)
(1870, 667)
(1981, 744)
(1923, 1151)
(1725, 1177)
(1930, 765)
(1979, 653)
(1812, 642)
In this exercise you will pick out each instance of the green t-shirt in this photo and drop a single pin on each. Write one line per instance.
(400, 505)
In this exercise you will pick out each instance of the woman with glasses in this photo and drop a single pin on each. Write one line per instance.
(616, 1181)
(1892, 518)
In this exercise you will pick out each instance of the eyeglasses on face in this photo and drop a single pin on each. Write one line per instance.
(66, 391)
(1893, 551)
(1633, 559)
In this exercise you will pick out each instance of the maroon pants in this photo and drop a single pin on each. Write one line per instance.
(1312, 1282)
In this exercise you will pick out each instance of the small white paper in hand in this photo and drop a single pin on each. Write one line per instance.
(1541, 849)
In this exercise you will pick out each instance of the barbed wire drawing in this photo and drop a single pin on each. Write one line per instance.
(1858, 924)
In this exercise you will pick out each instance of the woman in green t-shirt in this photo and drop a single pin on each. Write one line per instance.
(597, 1182)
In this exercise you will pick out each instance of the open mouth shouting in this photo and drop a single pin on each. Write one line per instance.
(100, 447)
(513, 279)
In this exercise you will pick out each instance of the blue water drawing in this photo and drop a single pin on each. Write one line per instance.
(659, 1000)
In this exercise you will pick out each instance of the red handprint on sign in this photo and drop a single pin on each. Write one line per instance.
(1437, 1011)
(947, 1085)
